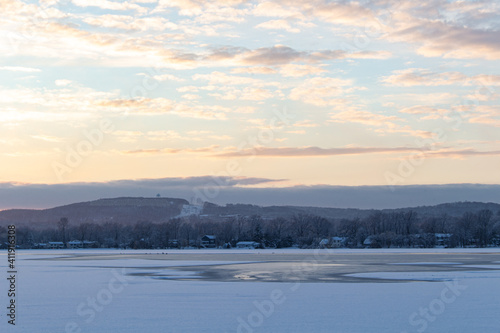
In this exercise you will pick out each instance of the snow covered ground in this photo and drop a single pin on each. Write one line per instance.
(121, 291)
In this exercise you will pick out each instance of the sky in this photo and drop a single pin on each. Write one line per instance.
(262, 94)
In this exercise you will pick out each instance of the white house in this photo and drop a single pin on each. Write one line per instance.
(76, 244)
(56, 245)
(323, 243)
(442, 239)
(338, 241)
(247, 245)
(369, 241)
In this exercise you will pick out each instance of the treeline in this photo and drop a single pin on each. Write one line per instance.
(396, 229)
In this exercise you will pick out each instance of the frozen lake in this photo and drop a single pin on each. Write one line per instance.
(424, 290)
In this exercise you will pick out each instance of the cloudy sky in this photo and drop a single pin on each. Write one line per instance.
(271, 94)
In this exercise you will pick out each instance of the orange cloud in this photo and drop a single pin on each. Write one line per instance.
(312, 151)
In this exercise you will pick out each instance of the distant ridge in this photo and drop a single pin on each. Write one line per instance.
(455, 209)
(123, 210)
(128, 210)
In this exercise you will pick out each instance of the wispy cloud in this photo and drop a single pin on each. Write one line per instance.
(363, 117)
(437, 35)
(277, 25)
(485, 115)
(312, 151)
(383, 124)
(462, 153)
(426, 112)
(424, 77)
(47, 138)
(322, 91)
(295, 70)
(105, 4)
(19, 69)
(168, 151)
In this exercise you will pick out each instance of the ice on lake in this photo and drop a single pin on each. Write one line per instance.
(256, 291)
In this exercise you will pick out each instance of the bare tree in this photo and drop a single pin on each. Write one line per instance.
(63, 224)
(83, 230)
(320, 227)
(464, 228)
(483, 227)
(174, 226)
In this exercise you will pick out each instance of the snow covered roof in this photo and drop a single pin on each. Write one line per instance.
(209, 236)
(368, 240)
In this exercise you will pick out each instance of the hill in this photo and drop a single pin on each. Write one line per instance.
(455, 209)
(123, 210)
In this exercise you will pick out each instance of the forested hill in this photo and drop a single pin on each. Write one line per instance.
(131, 210)
(123, 210)
(210, 209)
(456, 209)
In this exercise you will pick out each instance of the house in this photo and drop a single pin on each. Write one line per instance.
(76, 244)
(247, 245)
(338, 241)
(87, 244)
(442, 239)
(208, 241)
(56, 245)
(173, 243)
(323, 243)
(370, 242)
